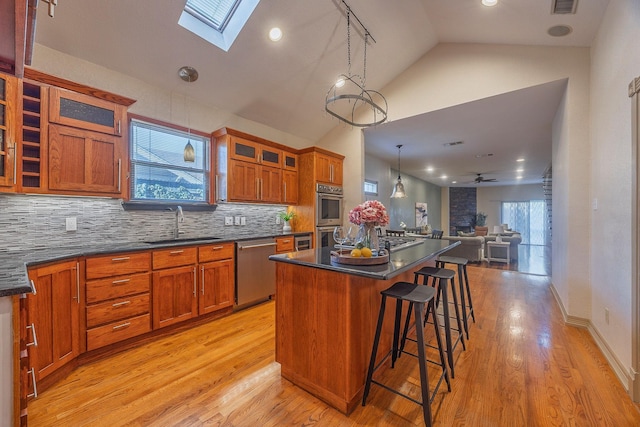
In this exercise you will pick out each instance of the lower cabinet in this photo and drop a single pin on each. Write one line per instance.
(53, 328)
(174, 296)
(217, 277)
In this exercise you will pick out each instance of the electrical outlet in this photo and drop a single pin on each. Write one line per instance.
(243, 220)
(228, 220)
(236, 221)
(278, 220)
(606, 315)
(71, 224)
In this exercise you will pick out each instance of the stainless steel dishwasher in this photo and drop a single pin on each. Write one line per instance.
(255, 274)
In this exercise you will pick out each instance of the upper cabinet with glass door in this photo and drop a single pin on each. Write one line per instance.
(86, 112)
(8, 127)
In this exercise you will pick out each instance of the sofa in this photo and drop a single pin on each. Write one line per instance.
(473, 248)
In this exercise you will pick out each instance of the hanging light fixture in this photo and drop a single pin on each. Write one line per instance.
(348, 94)
(189, 75)
(398, 189)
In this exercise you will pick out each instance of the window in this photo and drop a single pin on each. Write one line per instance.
(370, 187)
(158, 169)
(527, 218)
(217, 21)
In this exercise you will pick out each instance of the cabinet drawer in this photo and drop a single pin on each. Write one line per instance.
(117, 287)
(215, 252)
(112, 311)
(284, 244)
(118, 264)
(174, 257)
(118, 331)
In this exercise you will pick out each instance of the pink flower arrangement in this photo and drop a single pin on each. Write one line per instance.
(369, 212)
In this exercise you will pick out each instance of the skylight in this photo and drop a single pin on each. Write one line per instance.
(217, 21)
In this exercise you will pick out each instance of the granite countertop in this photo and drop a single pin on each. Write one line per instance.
(399, 261)
(13, 274)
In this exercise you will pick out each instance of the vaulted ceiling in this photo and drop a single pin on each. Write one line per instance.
(283, 85)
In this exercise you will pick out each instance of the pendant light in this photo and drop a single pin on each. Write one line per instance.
(398, 189)
(189, 75)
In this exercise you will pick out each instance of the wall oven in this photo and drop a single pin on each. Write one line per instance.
(328, 205)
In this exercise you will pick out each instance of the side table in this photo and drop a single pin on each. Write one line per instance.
(502, 254)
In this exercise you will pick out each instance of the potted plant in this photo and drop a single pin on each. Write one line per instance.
(480, 224)
(286, 217)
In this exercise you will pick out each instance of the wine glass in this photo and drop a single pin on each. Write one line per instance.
(352, 235)
(340, 235)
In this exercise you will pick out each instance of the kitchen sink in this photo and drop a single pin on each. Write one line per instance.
(193, 239)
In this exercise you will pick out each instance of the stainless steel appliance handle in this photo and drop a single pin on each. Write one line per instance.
(257, 246)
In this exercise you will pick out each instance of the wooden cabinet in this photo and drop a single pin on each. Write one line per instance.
(86, 112)
(8, 132)
(217, 277)
(328, 169)
(53, 313)
(174, 286)
(82, 161)
(289, 187)
(285, 244)
(118, 296)
(251, 169)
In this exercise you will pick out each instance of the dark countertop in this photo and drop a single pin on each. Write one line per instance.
(14, 264)
(399, 261)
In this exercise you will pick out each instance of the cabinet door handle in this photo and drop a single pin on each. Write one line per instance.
(15, 165)
(35, 338)
(176, 252)
(195, 283)
(33, 381)
(119, 129)
(202, 277)
(217, 248)
(119, 172)
(77, 298)
(121, 281)
(33, 287)
(124, 258)
(120, 304)
(124, 325)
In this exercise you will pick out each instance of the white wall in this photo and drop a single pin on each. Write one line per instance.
(489, 199)
(452, 74)
(615, 61)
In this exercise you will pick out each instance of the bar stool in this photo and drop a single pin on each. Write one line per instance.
(463, 281)
(442, 277)
(418, 296)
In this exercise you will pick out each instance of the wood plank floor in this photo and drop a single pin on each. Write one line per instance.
(522, 367)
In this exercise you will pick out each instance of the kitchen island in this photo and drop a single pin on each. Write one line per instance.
(326, 316)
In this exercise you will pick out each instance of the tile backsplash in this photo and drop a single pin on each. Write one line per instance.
(39, 222)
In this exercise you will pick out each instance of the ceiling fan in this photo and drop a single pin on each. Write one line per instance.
(480, 179)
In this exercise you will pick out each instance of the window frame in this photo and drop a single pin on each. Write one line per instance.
(137, 203)
(372, 182)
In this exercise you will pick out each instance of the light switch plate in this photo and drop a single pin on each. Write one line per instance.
(236, 220)
(243, 220)
(228, 220)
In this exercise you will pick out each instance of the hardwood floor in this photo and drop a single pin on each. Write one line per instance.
(522, 367)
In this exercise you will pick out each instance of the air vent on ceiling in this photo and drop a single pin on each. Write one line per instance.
(451, 144)
(561, 7)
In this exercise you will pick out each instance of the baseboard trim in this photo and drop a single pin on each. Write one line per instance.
(624, 376)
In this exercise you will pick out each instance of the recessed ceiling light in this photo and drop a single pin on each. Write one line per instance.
(275, 34)
(454, 182)
(520, 170)
(559, 31)
(429, 169)
(519, 177)
(444, 177)
(489, 2)
(520, 160)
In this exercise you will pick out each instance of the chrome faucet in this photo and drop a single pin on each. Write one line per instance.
(179, 219)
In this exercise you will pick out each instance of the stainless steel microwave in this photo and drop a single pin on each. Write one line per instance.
(329, 205)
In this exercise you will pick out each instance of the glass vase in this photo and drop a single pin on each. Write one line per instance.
(368, 237)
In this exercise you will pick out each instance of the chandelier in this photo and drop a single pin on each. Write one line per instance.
(348, 94)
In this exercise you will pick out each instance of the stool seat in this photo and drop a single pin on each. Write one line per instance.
(410, 292)
(438, 273)
(453, 260)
